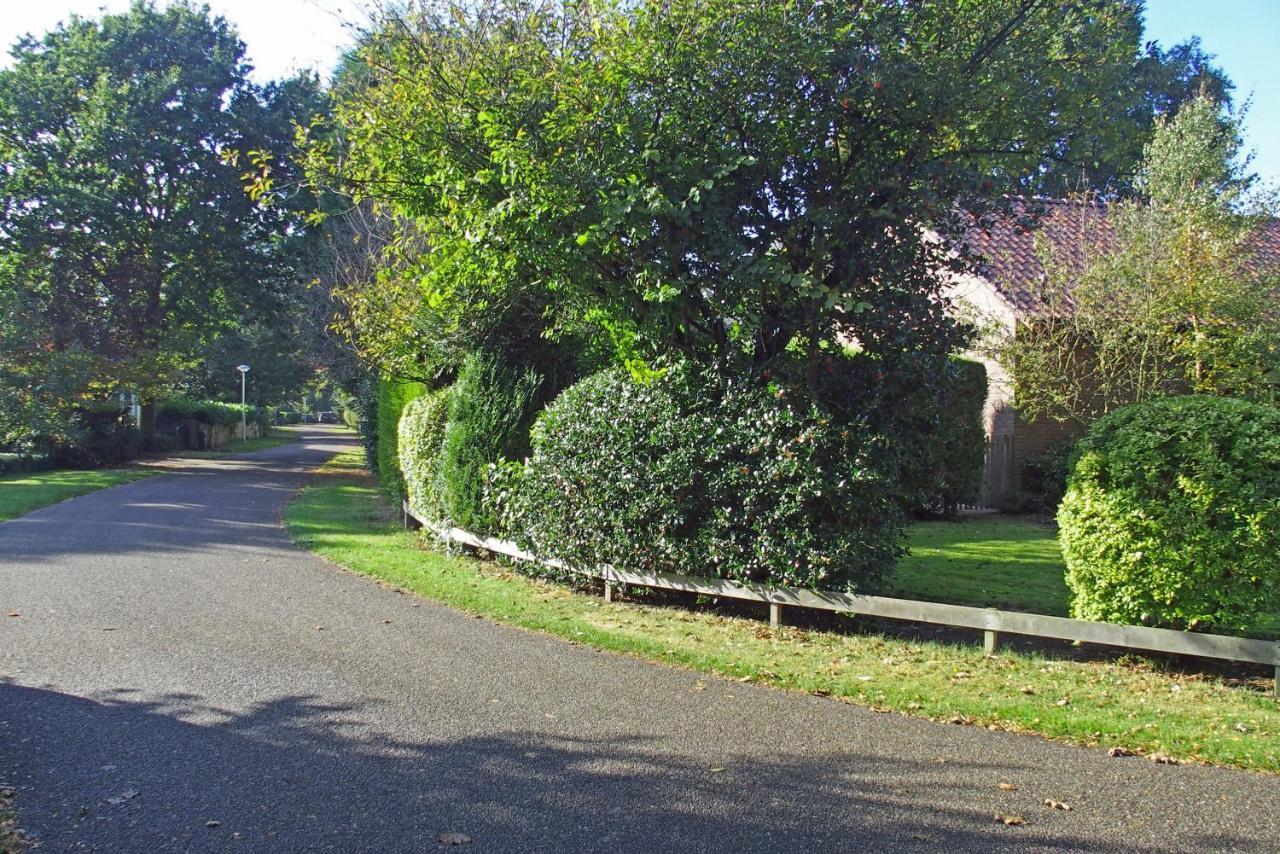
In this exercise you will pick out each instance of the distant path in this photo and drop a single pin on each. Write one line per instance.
(178, 662)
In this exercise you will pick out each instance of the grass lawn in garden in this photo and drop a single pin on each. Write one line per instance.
(22, 493)
(1012, 564)
(1121, 701)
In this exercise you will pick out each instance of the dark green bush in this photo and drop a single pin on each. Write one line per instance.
(366, 409)
(103, 435)
(1044, 479)
(491, 408)
(703, 476)
(944, 454)
(393, 396)
(1172, 515)
(420, 440)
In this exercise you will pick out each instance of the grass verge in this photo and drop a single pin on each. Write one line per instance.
(22, 493)
(273, 439)
(11, 841)
(1123, 702)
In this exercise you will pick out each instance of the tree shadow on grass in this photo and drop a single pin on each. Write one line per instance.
(128, 773)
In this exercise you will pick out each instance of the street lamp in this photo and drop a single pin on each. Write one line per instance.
(244, 416)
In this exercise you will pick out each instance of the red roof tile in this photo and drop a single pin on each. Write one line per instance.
(1010, 260)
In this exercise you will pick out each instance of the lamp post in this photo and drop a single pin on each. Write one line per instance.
(244, 416)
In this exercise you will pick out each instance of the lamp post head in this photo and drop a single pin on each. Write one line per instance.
(244, 369)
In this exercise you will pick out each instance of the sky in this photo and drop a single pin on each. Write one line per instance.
(284, 36)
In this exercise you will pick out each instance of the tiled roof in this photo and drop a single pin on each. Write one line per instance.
(1010, 260)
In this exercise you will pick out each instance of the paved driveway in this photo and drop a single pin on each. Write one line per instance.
(181, 678)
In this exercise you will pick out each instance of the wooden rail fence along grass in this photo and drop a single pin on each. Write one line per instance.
(990, 621)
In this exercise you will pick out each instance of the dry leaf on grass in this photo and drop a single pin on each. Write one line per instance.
(1010, 820)
(1116, 752)
(1057, 805)
(1008, 787)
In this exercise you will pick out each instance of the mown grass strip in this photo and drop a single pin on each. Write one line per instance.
(22, 493)
(1128, 702)
(272, 439)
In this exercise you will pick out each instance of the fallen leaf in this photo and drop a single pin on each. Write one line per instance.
(109, 629)
(1120, 751)
(1161, 759)
(13, 614)
(1057, 805)
(1008, 787)
(1027, 689)
(319, 628)
(744, 678)
(213, 822)
(1010, 820)
(454, 839)
(717, 770)
(123, 796)
(385, 622)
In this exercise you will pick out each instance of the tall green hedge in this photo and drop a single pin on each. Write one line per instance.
(421, 440)
(1172, 515)
(393, 396)
(490, 410)
(943, 440)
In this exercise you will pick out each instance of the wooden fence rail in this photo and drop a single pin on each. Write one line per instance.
(991, 622)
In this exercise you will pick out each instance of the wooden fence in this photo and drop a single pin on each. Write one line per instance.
(991, 622)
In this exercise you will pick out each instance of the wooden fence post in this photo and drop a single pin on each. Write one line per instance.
(775, 615)
(990, 642)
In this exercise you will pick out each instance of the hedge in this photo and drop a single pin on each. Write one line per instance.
(393, 396)
(1172, 515)
(694, 474)
(420, 438)
(490, 410)
(209, 412)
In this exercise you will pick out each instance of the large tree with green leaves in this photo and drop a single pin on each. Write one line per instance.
(725, 179)
(124, 145)
(1175, 298)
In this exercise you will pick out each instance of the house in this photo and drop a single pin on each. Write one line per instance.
(1008, 290)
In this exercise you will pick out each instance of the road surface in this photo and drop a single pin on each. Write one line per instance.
(182, 678)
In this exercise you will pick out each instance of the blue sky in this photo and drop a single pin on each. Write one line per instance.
(286, 35)
(1245, 35)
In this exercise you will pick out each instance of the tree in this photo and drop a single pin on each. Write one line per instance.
(654, 170)
(1174, 302)
(122, 202)
(1161, 81)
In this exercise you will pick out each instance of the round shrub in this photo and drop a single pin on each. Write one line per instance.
(704, 476)
(420, 436)
(1172, 515)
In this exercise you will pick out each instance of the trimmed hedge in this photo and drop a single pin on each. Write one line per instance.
(945, 471)
(491, 408)
(420, 439)
(209, 412)
(1172, 515)
(698, 475)
(393, 396)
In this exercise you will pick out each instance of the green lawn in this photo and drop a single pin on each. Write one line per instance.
(1125, 701)
(1012, 564)
(273, 439)
(995, 563)
(22, 493)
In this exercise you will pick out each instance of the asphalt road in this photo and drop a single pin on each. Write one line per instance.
(182, 678)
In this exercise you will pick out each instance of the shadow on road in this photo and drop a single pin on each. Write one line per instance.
(122, 772)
